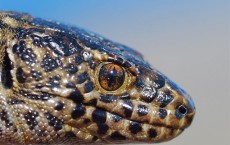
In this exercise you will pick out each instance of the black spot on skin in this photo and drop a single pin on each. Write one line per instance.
(117, 136)
(116, 118)
(164, 99)
(125, 96)
(159, 81)
(152, 133)
(59, 106)
(128, 108)
(22, 43)
(82, 78)
(15, 129)
(70, 134)
(92, 102)
(152, 95)
(14, 48)
(65, 44)
(37, 75)
(135, 127)
(70, 85)
(76, 96)
(139, 82)
(71, 69)
(39, 86)
(3, 25)
(142, 110)
(22, 34)
(26, 54)
(99, 116)
(54, 82)
(78, 111)
(15, 101)
(127, 64)
(20, 75)
(94, 138)
(43, 96)
(86, 121)
(49, 64)
(4, 117)
(92, 64)
(162, 113)
(54, 121)
(108, 98)
(88, 87)
(119, 60)
(30, 118)
(37, 40)
(92, 44)
(102, 128)
(79, 59)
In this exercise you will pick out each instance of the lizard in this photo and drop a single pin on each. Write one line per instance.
(61, 84)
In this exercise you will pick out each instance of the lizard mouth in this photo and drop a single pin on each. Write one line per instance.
(5, 74)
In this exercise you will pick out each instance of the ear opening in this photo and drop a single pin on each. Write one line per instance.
(6, 67)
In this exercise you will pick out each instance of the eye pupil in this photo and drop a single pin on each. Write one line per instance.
(111, 76)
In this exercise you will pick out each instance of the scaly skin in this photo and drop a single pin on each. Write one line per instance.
(64, 85)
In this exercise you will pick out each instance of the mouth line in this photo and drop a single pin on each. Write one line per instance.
(140, 122)
(168, 127)
(171, 127)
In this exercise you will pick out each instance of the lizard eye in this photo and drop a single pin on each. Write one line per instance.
(111, 76)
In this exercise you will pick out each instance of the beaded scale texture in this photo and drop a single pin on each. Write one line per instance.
(64, 85)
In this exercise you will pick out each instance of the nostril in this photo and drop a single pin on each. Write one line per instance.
(181, 111)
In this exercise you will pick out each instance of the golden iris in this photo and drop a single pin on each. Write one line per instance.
(111, 76)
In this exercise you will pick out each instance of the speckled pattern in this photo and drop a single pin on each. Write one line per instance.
(64, 85)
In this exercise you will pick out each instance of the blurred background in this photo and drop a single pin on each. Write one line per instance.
(189, 41)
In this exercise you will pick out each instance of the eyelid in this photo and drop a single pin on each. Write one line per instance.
(126, 64)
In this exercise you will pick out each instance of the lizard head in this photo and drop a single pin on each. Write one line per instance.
(68, 83)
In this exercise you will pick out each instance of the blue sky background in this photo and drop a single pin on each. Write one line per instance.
(128, 20)
(188, 40)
